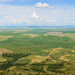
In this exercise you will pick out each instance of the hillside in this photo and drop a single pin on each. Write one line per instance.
(37, 51)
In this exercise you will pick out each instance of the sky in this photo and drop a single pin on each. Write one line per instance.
(37, 12)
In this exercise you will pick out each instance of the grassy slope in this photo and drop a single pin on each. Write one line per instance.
(55, 47)
(21, 43)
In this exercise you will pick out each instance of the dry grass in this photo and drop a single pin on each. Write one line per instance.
(35, 58)
(31, 35)
(70, 35)
(53, 51)
(20, 70)
(56, 50)
(73, 51)
(2, 59)
(67, 57)
(64, 58)
(19, 31)
(3, 51)
(2, 38)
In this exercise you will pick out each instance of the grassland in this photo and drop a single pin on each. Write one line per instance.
(43, 45)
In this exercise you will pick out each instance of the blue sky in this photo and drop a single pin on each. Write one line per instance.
(37, 12)
(32, 2)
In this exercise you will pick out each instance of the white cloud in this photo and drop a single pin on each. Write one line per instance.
(54, 12)
(18, 21)
(52, 21)
(40, 5)
(35, 16)
(66, 19)
(13, 14)
(69, 19)
(7, 17)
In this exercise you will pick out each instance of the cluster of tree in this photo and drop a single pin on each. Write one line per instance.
(60, 68)
(56, 67)
(10, 62)
(38, 67)
(65, 68)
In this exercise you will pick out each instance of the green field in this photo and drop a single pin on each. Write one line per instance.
(37, 46)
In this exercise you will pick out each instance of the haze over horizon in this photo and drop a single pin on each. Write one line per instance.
(37, 12)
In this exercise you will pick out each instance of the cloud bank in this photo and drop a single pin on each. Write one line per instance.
(31, 15)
